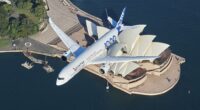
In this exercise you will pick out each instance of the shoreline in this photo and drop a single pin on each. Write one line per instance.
(33, 52)
(176, 59)
(94, 69)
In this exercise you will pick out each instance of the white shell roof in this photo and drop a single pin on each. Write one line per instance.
(136, 44)
(91, 28)
(101, 31)
(124, 68)
(130, 66)
(130, 36)
(156, 48)
(121, 68)
(116, 67)
(142, 45)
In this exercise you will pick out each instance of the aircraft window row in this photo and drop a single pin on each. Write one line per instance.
(59, 78)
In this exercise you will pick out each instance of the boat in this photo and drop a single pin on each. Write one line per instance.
(48, 68)
(27, 65)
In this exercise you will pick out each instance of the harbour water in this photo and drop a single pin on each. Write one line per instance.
(174, 22)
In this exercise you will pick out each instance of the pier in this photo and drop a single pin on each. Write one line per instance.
(33, 59)
(27, 65)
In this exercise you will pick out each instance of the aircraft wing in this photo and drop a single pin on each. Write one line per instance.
(121, 59)
(72, 45)
(141, 26)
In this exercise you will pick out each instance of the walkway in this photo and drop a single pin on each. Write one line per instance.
(80, 12)
(62, 17)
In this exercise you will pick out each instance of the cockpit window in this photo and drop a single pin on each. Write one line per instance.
(59, 78)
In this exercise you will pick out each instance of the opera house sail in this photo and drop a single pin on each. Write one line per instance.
(140, 77)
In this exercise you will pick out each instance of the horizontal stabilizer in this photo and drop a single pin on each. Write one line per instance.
(141, 26)
(112, 22)
(91, 28)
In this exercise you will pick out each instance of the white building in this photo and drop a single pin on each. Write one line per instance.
(133, 43)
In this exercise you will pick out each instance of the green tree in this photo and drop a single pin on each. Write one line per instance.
(7, 8)
(21, 19)
(27, 6)
(3, 22)
(13, 28)
(39, 11)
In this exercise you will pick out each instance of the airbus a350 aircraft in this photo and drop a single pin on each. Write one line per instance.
(93, 54)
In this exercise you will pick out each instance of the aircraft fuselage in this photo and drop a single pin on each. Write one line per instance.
(91, 53)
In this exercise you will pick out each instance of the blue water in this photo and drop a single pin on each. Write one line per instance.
(176, 22)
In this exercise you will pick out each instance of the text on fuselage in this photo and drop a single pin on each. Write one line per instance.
(110, 41)
(80, 66)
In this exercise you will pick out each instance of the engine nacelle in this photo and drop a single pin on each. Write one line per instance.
(66, 55)
(124, 49)
(104, 68)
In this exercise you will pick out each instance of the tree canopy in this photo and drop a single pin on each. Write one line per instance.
(21, 19)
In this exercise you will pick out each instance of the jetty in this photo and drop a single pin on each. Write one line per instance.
(33, 59)
(27, 65)
(48, 68)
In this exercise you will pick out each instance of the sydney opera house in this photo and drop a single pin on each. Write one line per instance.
(126, 76)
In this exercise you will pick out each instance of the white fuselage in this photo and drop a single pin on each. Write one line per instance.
(91, 53)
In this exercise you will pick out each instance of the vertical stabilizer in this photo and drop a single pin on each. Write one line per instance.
(115, 24)
(119, 23)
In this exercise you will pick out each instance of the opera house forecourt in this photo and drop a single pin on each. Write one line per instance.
(147, 77)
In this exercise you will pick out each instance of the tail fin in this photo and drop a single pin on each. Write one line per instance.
(112, 22)
(119, 23)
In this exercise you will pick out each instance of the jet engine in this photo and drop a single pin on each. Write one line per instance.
(124, 49)
(104, 68)
(66, 55)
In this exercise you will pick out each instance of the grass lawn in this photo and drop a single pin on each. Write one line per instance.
(4, 42)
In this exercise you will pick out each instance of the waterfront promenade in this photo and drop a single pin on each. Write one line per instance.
(153, 84)
(47, 42)
(62, 17)
(65, 16)
(34, 47)
(74, 9)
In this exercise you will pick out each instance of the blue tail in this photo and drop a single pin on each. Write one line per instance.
(114, 23)
(119, 23)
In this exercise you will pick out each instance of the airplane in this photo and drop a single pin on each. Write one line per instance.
(94, 54)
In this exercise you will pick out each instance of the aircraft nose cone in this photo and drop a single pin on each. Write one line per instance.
(60, 81)
(65, 75)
